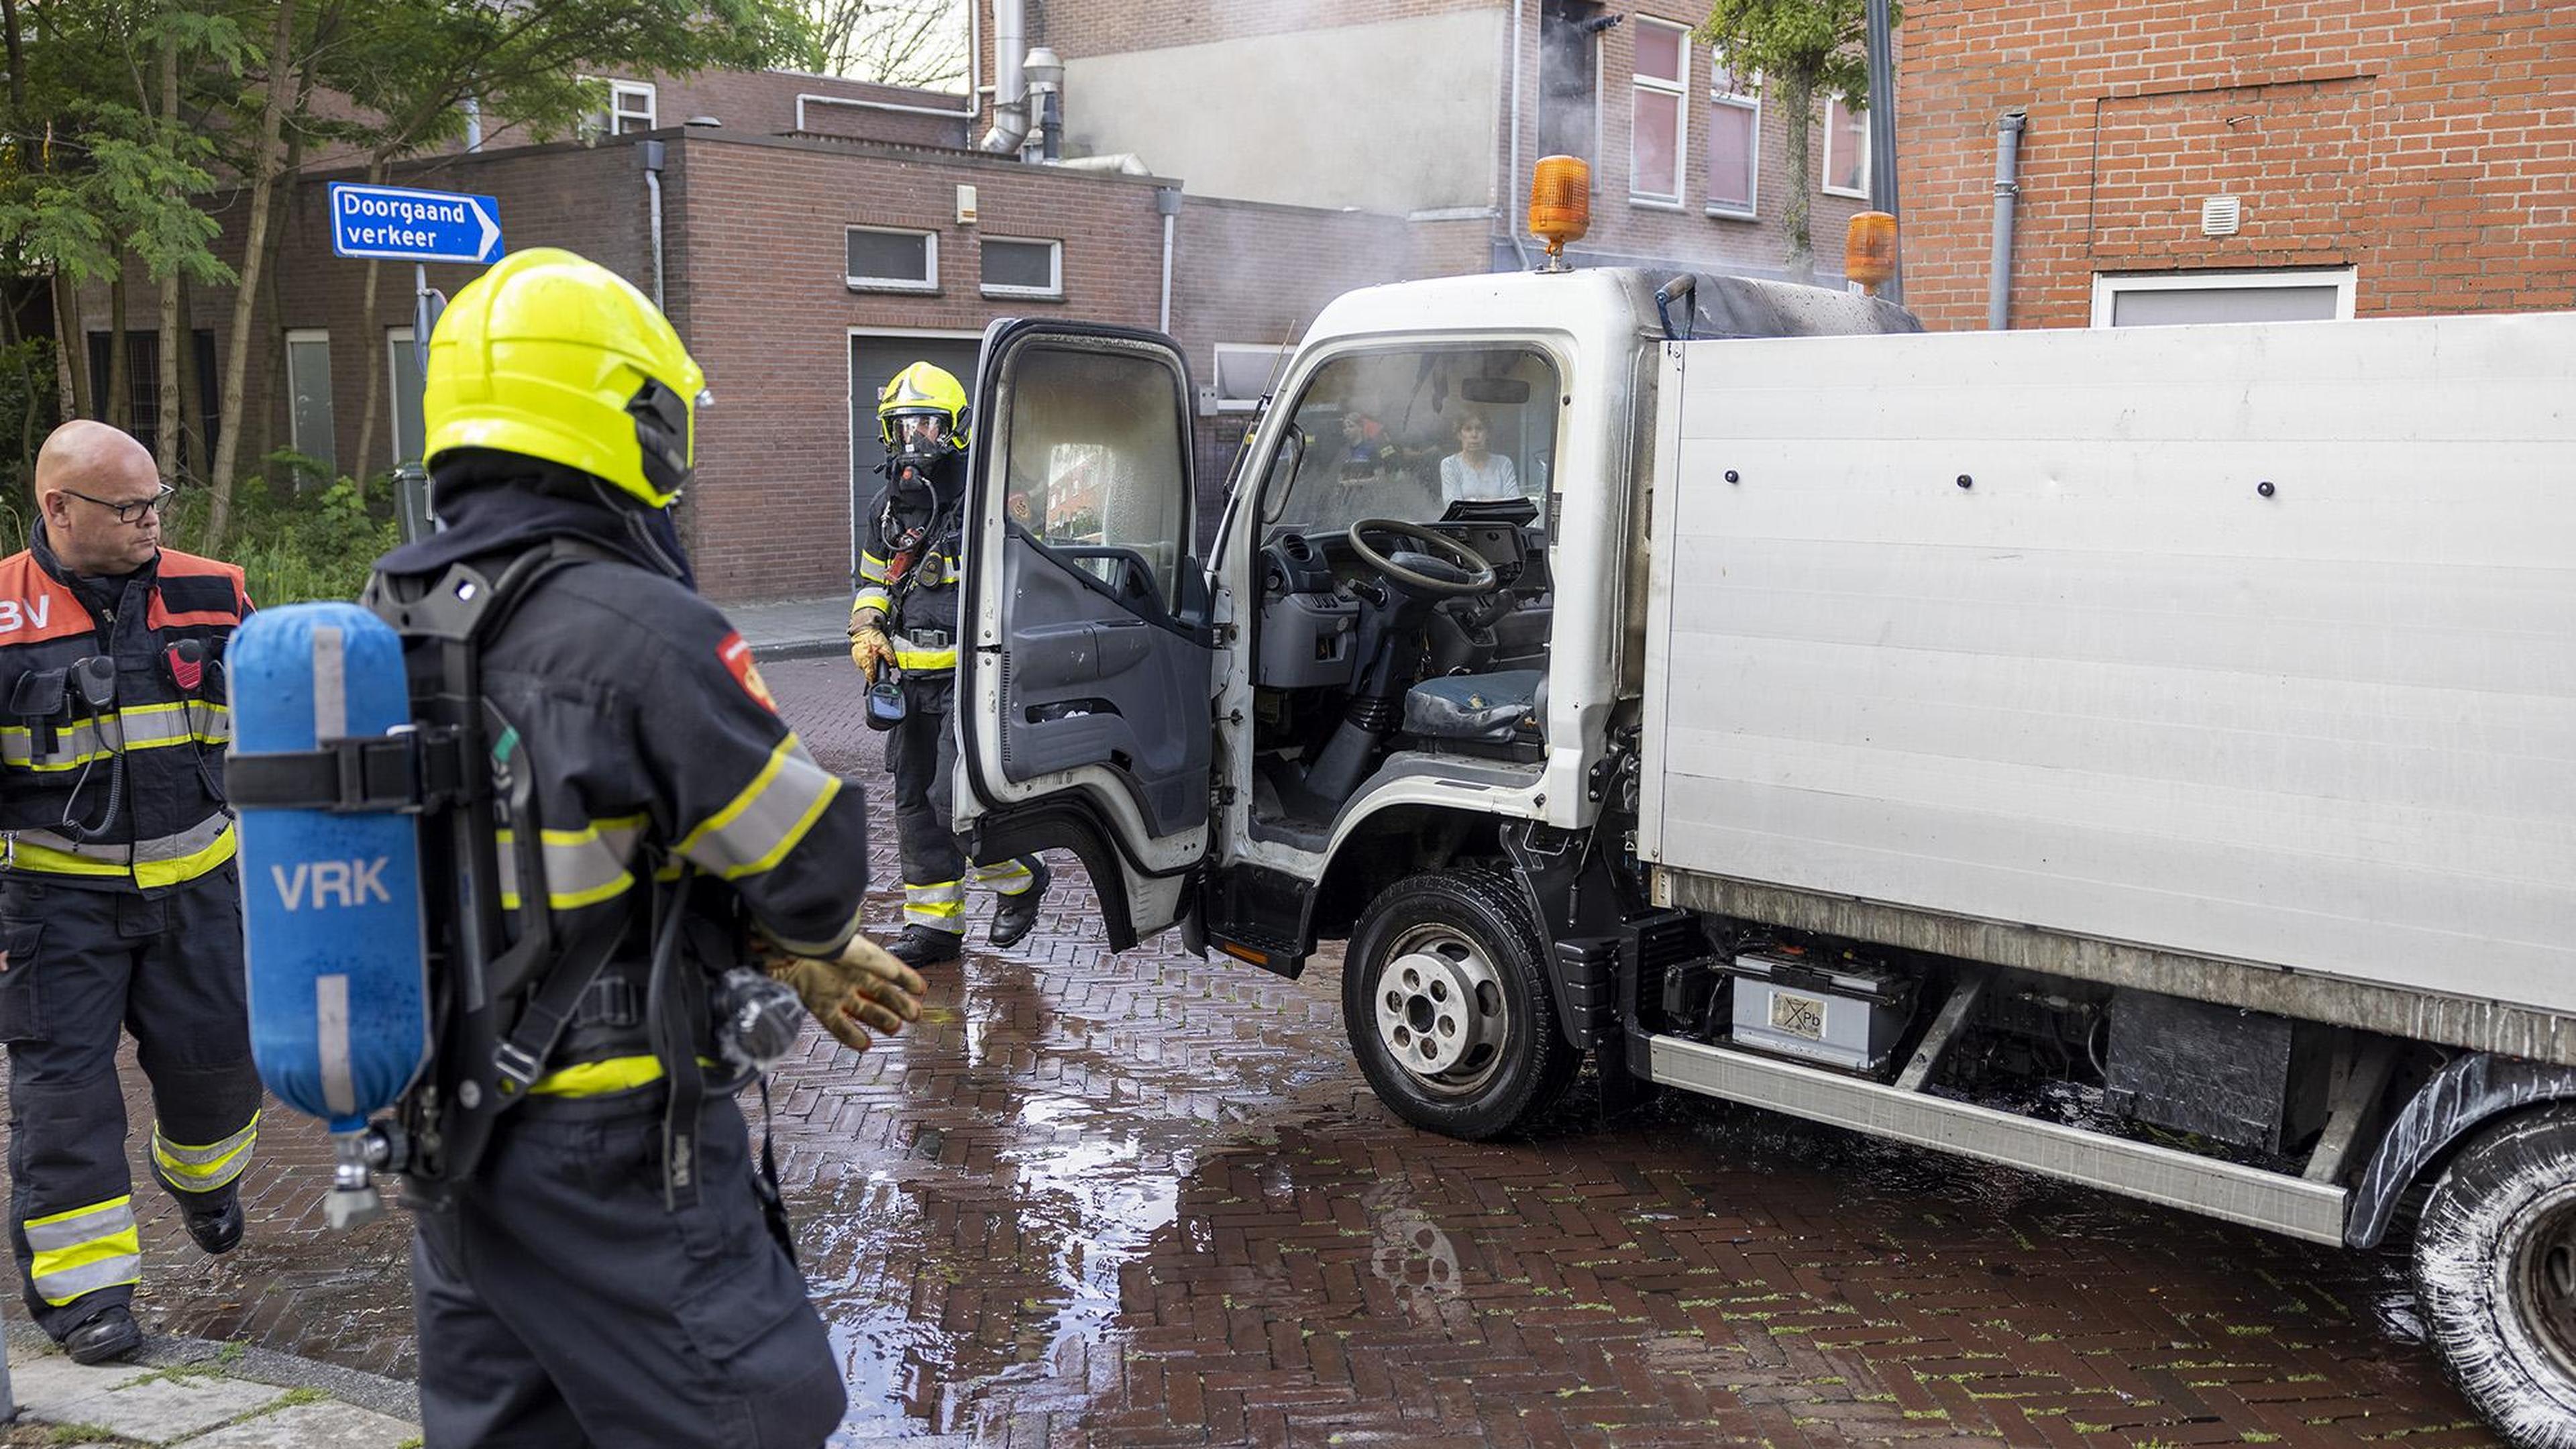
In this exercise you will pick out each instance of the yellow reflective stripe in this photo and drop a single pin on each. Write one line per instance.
(84, 1250)
(935, 904)
(598, 1079)
(872, 569)
(873, 598)
(139, 727)
(756, 829)
(166, 861)
(204, 1169)
(583, 867)
(924, 658)
(1008, 878)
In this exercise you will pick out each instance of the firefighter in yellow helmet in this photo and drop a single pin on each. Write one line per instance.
(904, 627)
(598, 1258)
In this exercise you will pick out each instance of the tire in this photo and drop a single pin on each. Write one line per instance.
(1447, 1003)
(2495, 1272)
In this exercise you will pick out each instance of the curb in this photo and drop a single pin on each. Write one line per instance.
(393, 1398)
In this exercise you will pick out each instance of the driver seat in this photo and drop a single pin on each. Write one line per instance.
(1502, 714)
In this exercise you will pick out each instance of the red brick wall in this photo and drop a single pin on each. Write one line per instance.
(2428, 145)
(758, 268)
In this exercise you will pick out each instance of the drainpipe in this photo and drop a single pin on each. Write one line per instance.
(473, 123)
(1512, 191)
(2007, 193)
(1167, 200)
(651, 154)
(1882, 133)
(1010, 42)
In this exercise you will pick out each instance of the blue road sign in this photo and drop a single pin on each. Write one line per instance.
(403, 225)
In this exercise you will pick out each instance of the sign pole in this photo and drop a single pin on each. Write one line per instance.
(420, 316)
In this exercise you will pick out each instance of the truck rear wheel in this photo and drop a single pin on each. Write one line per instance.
(1445, 996)
(2495, 1271)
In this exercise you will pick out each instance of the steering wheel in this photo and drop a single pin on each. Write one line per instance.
(1475, 575)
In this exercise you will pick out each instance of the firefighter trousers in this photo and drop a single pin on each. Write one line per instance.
(560, 1304)
(922, 754)
(84, 963)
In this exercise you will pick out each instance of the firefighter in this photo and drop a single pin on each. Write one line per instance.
(615, 1269)
(119, 904)
(905, 620)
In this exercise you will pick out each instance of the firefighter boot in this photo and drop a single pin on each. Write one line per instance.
(922, 948)
(217, 1229)
(111, 1333)
(1014, 916)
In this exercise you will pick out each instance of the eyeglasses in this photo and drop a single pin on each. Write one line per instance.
(130, 512)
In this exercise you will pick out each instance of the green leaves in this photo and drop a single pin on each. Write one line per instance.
(1818, 41)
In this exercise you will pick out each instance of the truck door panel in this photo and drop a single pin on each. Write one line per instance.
(1085, 671)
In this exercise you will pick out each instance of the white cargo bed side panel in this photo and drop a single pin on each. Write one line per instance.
(2109, 686)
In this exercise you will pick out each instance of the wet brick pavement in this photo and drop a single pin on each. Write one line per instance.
(1142, 1200)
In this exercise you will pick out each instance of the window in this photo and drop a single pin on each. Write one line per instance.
(1846, 149)
(308, 390)
(1404, 434)
(402, 373)
(1017, 268)
(886, 260)
(630, 107)
(1244, 371)
(2170, 299)
(1659, 112)
(1569, 78)
(143, 388)
(1095, 467)
(1734, 138)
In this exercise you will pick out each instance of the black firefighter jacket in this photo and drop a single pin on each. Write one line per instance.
(653, 742)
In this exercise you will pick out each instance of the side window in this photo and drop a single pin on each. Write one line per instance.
(1095, 452)
(1408, 434)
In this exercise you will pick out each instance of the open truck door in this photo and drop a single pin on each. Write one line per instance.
(1083, 711)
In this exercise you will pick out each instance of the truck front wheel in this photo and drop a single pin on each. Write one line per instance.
(1445, 997)
(2495, 1271)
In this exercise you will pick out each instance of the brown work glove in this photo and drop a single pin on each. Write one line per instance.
(860, 988)
(869, 647)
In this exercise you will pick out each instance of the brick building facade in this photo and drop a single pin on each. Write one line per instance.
(2382, 157)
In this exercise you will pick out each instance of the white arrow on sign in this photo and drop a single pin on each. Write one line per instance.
(491, 229)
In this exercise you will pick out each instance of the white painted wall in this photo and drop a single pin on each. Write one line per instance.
(1398, 116)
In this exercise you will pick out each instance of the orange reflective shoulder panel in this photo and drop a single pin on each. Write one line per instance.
(34, 608)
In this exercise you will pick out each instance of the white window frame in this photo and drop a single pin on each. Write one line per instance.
(2107, 287)
(1832, 131)
(624, 90)
(1216, 372)
(294, 421)
(1750, 99)
(929, 261)
(1679, 88)
(1055, 268)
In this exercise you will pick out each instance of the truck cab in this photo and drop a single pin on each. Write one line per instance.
(1397, 648)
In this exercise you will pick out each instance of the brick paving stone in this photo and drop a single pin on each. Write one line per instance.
(1109, 1200)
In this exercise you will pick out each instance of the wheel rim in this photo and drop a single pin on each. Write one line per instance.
(2543, 1277)
(1441, 1011)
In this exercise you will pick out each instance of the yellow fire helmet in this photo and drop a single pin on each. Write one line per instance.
(554, 356)
(919, 390)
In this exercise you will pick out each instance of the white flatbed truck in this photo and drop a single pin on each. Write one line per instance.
(2142, 757)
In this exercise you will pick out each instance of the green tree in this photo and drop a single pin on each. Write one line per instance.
(1805, 48)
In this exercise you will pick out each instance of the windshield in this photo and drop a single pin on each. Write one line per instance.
(1406, 434)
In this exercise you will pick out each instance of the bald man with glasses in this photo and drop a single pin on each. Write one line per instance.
(120, 906)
